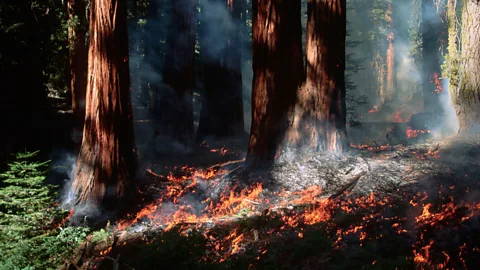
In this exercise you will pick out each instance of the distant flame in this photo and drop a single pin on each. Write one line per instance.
(413, 133)
(374, 109)
(397, 118)
(436, 80)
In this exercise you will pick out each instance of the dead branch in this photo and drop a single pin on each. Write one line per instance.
(349, 186)
(247, 200)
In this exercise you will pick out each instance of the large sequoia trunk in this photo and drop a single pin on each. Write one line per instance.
(465, 81)
(277, 74)
(78, 63)
(222, 107)
(175, 109)
(320, 114)
(432, 29)
(106, 162)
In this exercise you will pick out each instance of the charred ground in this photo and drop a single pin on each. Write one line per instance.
(410, 207)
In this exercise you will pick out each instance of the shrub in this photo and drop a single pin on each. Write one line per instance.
(31, 233)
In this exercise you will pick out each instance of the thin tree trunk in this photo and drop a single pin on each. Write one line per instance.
(465, 82)
(278, 72)
(390, 58)
(175, 111)
(432, 28)
(320, 114)
(222, 109)
(106, 163)
(78, 63)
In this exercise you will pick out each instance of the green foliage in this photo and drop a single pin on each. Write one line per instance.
(101, 235)
(31, 236)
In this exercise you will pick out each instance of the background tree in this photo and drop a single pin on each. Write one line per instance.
(432, 29)
(33, 62)
(106, 162)
(387, 96)
(175, 111)
(278, 72)
(222, 108)
(320, 115)
(78, 62)
(465, 82)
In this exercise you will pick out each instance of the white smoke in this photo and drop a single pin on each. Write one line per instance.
(450, 117)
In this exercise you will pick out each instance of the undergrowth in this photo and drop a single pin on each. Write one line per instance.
(32, 233)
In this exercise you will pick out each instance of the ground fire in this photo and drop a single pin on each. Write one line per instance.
(233, 134)
(208, 202)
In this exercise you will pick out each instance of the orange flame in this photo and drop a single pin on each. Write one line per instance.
(397, 118)
(413, 133)
(436, 80)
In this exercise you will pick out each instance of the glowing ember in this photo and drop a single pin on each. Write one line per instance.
(370, 148)
(222, 150)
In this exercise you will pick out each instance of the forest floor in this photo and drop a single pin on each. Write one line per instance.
(377, 207)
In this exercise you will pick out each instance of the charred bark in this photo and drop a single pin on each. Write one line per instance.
(78, 63)
(106, 163)
(320, 114)
(465, 82)
(432, 29)
(175, 109)
(277, 74)
(222, 106)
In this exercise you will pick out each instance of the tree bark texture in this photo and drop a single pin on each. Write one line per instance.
(277, 74)
(106, 163)
(174, 110)
(222, 107)
(320, 113)
(387, 96)
(465, 96)
(78, 62)
(432, 28)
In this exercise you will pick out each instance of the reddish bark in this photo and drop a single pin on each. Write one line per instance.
(387, 96)
(278, 72)
(106, 163)
(222, 110)
(176, 114)
(78, 62)
(320, 113)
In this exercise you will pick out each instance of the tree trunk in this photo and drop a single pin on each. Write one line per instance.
(387, 96)
(465, 95)
(222, 108)
(320, 114)
(277, 74)
(78, 63)
(432, 28)
(106, 162)
(175, 109)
